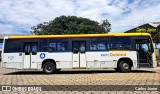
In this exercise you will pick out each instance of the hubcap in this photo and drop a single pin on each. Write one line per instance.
(48, 68)
(125, 66)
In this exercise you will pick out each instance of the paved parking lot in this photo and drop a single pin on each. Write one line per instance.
(105, 77)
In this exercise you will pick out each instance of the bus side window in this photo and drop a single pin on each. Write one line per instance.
(43, 45)
(27, 49)
(34, 48)
(101, 45)
(13, 46)
(75, 50)
(57, 45)
(120, 43)
(52, 46)
(82, 48)
(93, 46)
(61, 46)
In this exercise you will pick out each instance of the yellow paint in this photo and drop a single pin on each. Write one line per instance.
(77, 35)
(117, 54)
(148, 30)
(60, 36)
(154, 56)
(132, 34)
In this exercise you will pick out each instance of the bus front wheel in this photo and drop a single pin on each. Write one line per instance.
(124, 66)
(49, 68)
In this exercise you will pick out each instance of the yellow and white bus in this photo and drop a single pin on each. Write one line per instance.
(55, 52)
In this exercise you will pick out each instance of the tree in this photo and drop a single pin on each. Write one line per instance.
(71, 25)
(106, 25)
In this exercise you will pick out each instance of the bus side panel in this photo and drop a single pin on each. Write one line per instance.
(62, 59)
(117, 55)
(99, 59)
(109, 59)
(12, 60)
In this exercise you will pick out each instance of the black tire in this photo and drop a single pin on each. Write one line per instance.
(117, 69)
(124, 66)
(49, 68)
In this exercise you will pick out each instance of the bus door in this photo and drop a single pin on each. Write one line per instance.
(144, 52)
(79, 56)
(30, 55)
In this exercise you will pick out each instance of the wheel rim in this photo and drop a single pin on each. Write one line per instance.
(49, 68)
(125, 65)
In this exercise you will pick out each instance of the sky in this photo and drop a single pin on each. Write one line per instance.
(18, 16)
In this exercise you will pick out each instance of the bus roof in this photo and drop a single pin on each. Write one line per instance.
(76, 35)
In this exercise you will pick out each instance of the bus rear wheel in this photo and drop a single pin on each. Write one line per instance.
(49, 68)
(124, 66)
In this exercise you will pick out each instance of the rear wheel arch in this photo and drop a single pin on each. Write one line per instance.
(127, 59)
(124, 64)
